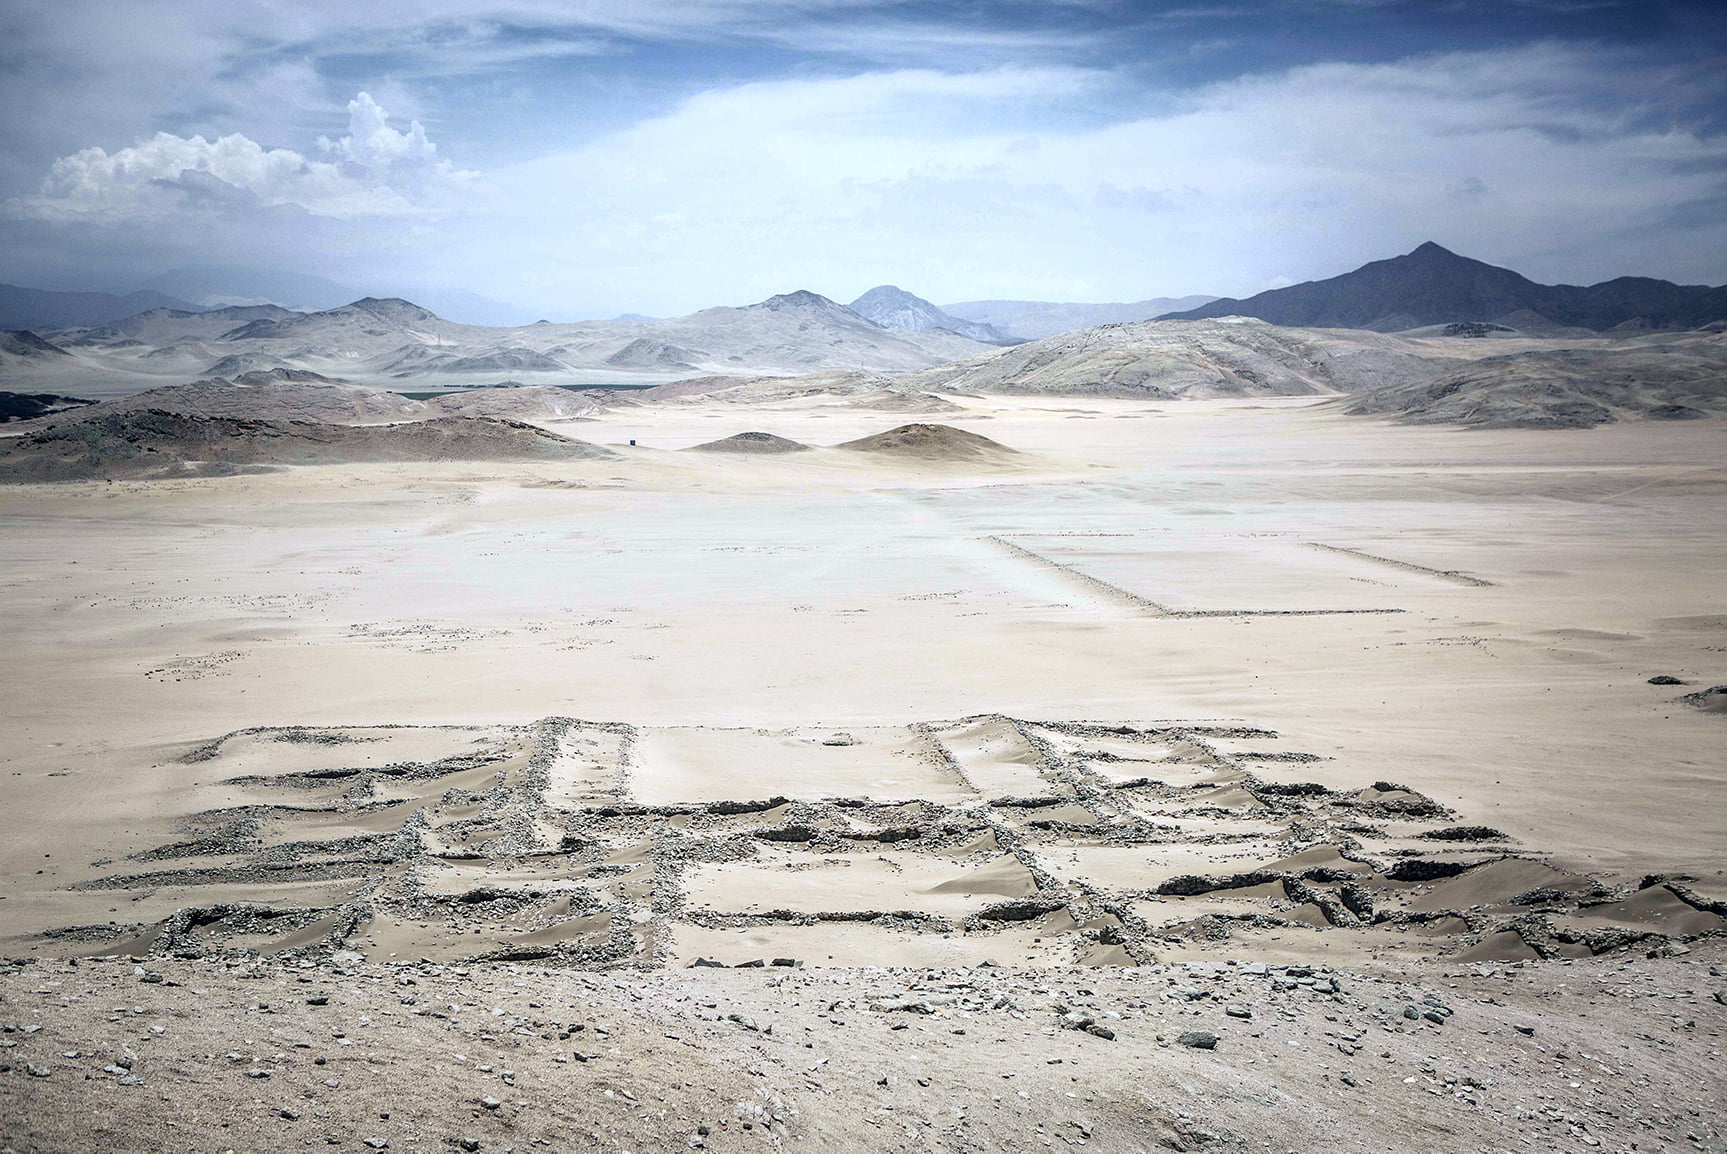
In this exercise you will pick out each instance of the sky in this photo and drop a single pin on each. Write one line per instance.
(585, 158)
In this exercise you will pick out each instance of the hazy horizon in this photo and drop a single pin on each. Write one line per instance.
(659, 159)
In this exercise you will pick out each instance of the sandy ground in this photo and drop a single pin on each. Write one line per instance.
(1473, 616)
(1621, 1055)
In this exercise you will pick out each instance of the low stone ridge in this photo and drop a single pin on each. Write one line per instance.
(532, 842)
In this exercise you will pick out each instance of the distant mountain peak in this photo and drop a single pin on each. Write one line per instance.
(1432, 285)
(393, 307)
(892, 307)
(798, 299)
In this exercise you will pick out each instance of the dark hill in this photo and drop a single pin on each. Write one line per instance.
(29, 406)
(1434, 286)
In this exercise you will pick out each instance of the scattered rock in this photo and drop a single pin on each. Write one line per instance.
(1198, 1039)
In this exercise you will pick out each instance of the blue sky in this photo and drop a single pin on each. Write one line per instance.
(589, 158)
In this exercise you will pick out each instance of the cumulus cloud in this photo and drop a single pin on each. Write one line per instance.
(373, 171)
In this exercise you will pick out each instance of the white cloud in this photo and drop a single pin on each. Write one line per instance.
(1002, 183)
(375, 171)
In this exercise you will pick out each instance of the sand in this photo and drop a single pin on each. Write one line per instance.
(666, 705)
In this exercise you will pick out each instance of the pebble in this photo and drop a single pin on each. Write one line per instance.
(490, 1103)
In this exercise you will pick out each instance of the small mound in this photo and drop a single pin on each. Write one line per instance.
(1711, 700)
(930, 443)
(751, 442)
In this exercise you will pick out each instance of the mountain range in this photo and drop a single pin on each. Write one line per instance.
(30, 308)
(393, 342)
(1435, 286)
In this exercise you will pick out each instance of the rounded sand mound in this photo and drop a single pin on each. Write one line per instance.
(751, 442)
(930, 442)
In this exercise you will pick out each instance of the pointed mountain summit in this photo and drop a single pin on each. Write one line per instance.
(797, 299)
(892, 307)
(1434, 286)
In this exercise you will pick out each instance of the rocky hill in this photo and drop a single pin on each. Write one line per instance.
(22, 344)
(1434, 286)
(1566, 388)
(280, 394)
(154, 444)
(165, 326)
(1167, 359)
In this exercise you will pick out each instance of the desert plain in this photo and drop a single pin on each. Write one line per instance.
(1204, 774)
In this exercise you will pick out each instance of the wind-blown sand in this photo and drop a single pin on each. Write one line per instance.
(1196, 683)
